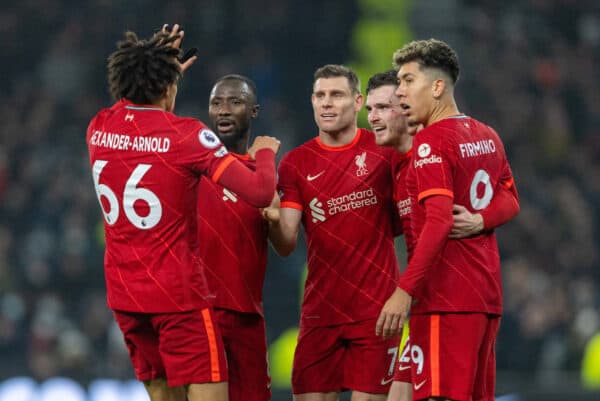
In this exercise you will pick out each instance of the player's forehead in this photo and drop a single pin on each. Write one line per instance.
(231, 88)
(332, 84)
(381, 95)
(410, 68)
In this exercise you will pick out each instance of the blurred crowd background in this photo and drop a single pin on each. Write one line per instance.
(530, 68)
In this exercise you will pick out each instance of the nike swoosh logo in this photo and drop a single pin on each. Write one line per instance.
(314, 177)
(403, 367)
(388, 381)
(418, 386)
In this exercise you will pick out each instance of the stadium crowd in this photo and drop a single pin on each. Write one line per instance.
(531, 72)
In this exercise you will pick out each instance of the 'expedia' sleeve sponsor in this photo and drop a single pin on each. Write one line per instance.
(432, 163)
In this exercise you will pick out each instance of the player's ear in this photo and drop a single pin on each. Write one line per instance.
(438, 87)
(255, 110)
(359, 100)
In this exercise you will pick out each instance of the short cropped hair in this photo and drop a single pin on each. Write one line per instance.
(337, 70)
(382, 79)
(142, 70)
(241, 78)
(431, 53)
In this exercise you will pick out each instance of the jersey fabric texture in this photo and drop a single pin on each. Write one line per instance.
(452, 355)
(345, 357)
(245, 341)
(233, 246)
(345, 195)
(461, 158)
(402, 198)
(146, 164)
(184, 347)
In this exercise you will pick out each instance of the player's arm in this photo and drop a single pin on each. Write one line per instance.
(284, 224)
(503, 207)
(285, 215)
(431, 241)
(255, 187)
(497, 214)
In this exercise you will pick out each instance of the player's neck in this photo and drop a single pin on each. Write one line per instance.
(442, 111)
(404, 144)
(162, 103)
(340, 138)
(239, 145)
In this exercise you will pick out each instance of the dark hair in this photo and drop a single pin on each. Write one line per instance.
(430, 53)
(141, 70)
(336, 70)
(241, 78)
(382, 79)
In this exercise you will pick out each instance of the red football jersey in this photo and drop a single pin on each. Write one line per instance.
(233, 246)
(464, 159)
(402, 198)
(146, 165)
(345, 194)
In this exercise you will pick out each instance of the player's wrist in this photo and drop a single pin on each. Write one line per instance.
(406, 287)
(265, 149)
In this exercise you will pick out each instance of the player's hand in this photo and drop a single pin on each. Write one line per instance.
(271, 213)
(175, 31)
(393, 314)
(466, 223)
(264, 142)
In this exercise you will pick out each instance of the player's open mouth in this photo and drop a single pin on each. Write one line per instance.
(328, 116)
(405, 108)
(225, 126)
(379, 130)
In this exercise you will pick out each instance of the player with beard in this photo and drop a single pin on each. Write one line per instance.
(455, 283)
(146, 163)
(392, 129)
(235, 255)
(338, 185)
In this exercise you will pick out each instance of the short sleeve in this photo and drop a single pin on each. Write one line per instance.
(432, 166)
(289, 192)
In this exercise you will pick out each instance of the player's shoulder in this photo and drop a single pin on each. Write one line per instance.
(188, 123)
(302, 151)
(367, 142)
(192, 129)
(479, 130)
(106, 112)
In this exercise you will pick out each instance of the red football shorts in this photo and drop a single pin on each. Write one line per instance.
(452, 355)
(403, 364)
(344, 357)
(244, 338)
(184, 347)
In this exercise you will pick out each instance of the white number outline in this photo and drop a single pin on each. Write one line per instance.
(416, 355)
(394, 352)
(101, 189)
(481, 176)
(131, 194)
